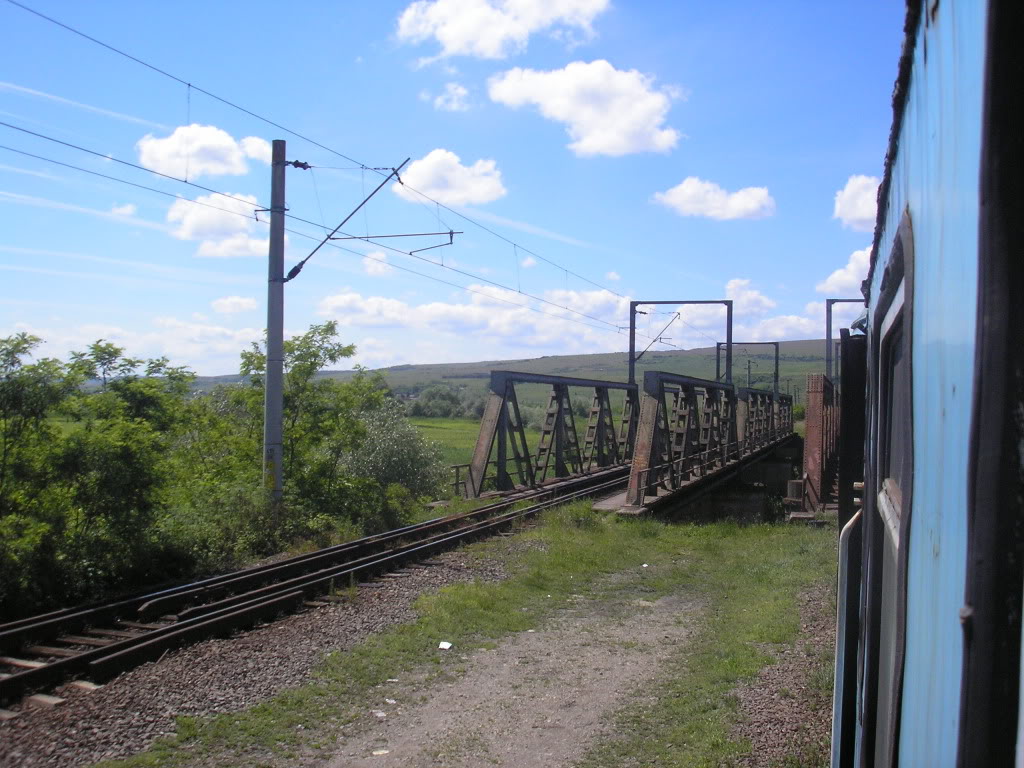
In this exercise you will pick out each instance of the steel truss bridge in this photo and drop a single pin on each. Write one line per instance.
(670, 436)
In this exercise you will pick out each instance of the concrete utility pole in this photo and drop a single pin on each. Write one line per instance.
(273, 406)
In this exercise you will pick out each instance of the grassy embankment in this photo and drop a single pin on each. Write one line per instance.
(748, 577)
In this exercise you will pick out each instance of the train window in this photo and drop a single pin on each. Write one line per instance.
(894, 466)
(889, 508)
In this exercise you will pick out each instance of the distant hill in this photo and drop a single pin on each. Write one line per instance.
(796, 360)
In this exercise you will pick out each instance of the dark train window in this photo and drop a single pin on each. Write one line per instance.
(897, 450)
(895, 464)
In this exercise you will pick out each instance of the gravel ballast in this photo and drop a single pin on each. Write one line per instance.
(226, 674)
(787, 713)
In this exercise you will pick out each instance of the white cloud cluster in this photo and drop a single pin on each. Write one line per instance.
(493, 313)
(128, 209)
(201, 150)
(747, 300)
(211, 349)
(224, 225)
(613, 275)
(606, 111)
(442, 176)
(376, 264)
(453, 99)
(493, 29)
(696, 197)
(230, 305)
(845, 282)
(857, 202)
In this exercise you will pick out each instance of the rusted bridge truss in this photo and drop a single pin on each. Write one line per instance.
(675, 431)
(503, 447)
(690, 429)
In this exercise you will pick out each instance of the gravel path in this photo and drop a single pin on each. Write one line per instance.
(224, 675)
(539, 700)
(787, 709)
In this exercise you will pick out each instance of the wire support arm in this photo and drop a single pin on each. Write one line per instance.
(294, 272)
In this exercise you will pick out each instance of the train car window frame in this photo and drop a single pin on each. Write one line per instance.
(893, 385)
(888, 512)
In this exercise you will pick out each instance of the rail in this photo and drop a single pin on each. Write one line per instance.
(101, 641)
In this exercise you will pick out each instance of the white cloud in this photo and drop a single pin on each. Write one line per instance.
(225, 229)
(606, 111)
(493, 29)
(856, 203)
(845, 282)
(747, 300)
(528, 262)
(613, 275)
(696, 197)
(212, 349)
(229, 305)
(128, 209)
(493, 313)
(79, 105)
(783, 327)
(236, 246)
(453, 99)
(442, 176)
(198, 222)
(200, 150)
(56, 205)
(376, 264)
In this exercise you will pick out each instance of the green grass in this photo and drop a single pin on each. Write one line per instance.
(747, 576)
(457, 437)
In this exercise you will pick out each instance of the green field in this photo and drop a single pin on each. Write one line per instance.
(457, 437)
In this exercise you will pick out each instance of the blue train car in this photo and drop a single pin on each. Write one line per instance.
(928, 664)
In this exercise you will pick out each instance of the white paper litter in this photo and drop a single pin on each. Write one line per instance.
(390, 701)
(531, 630)
(644, 565)
(391, 680)
(444, 645)
(379, 752)
(379, 714)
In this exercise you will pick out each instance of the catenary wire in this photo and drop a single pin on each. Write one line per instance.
(268, 121)
(129, 164)
(308, 236)
(258, 206)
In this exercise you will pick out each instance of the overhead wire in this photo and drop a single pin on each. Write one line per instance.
(359, 165)
(299, 233)
(257, 207)
(127, 163)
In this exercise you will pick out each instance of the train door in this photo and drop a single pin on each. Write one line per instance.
(887, 508)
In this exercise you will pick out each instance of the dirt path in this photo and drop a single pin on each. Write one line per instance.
(541, 698)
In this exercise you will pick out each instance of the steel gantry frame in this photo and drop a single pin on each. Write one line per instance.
(718, 358)
(558, 455)
(633, 357)
(829, 303)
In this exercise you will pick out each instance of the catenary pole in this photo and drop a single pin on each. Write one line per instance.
(273, 452)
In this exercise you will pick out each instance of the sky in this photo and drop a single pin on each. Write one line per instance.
(586, 152)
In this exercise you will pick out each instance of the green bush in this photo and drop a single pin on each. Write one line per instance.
(113, 476)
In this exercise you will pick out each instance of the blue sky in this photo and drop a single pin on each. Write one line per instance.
(615, 150)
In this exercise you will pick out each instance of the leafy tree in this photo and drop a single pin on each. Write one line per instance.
(30, 393)
(438, 401)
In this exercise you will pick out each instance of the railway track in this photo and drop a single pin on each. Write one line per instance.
(101, 641)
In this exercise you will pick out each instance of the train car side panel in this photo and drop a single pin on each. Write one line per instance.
(933, 200)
